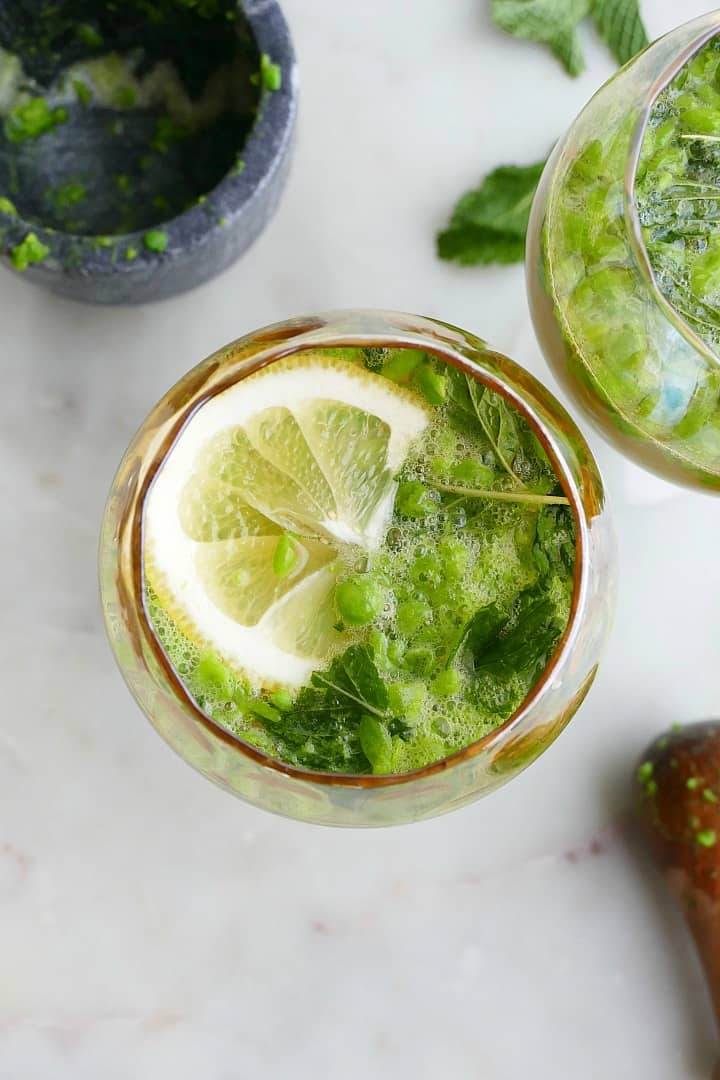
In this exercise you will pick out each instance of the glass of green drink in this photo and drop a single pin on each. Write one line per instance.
(624, 257)
(358, 569)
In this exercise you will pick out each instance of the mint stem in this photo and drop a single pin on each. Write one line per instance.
(503, 496)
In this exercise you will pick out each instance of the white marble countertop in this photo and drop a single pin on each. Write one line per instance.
(152, 927)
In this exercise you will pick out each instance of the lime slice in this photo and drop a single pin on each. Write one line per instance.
(302, 454)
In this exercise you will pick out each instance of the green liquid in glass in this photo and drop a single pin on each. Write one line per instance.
(451, 621)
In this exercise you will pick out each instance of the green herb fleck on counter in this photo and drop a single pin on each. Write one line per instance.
(707, 838)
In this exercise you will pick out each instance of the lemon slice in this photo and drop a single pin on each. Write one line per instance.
(308, 446)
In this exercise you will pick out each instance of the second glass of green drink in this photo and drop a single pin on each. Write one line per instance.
(623, 258)
(358, 569)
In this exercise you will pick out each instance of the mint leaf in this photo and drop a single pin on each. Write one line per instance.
(354, 679)
(499, 423)
(488, 225)
(479, 632)
(552, 22)
(524, 647)
(620, 26)
(329, 719)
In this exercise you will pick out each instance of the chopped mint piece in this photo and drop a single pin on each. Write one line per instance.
(69, 195)
(488, 225)
(7, 207)
(156, 240)
(131, 253)
(709, 796)
(32, 119)
(90, 36)
(239, 166)
(256, 706)
(401, 363)
(651, 788)
(447, 683)
(707, 838)
(360, 599)
(432, 385)
(83, 91)
(212, 677)
(125, 97)
(693, 783)
(30, 250)
(123, 183)
(281, 699)
(167, 132)
(270, 73)
(376, 743)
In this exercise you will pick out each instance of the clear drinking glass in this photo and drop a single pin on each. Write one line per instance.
(623, 352)
(334, 798)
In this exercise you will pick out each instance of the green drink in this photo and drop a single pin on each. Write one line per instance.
(624, 258)
(367, 564)
(358, 571)
(677, 193)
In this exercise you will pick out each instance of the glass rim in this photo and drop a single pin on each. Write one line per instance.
(630, 211)
(285, 339)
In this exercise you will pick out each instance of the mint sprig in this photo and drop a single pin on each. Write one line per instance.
(554, 23)
(489, 223)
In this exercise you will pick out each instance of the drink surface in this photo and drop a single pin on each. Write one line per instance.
(359, 560)
(626, 357)
(678, 192)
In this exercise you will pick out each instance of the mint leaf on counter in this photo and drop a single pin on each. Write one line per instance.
(620, 26)
(488, 225)
(551, 22)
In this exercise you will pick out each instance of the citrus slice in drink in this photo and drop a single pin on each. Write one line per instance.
(271, 487)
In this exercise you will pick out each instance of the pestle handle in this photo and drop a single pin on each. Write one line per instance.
(677, 790)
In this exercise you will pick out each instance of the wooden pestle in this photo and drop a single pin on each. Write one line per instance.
(678, 798)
